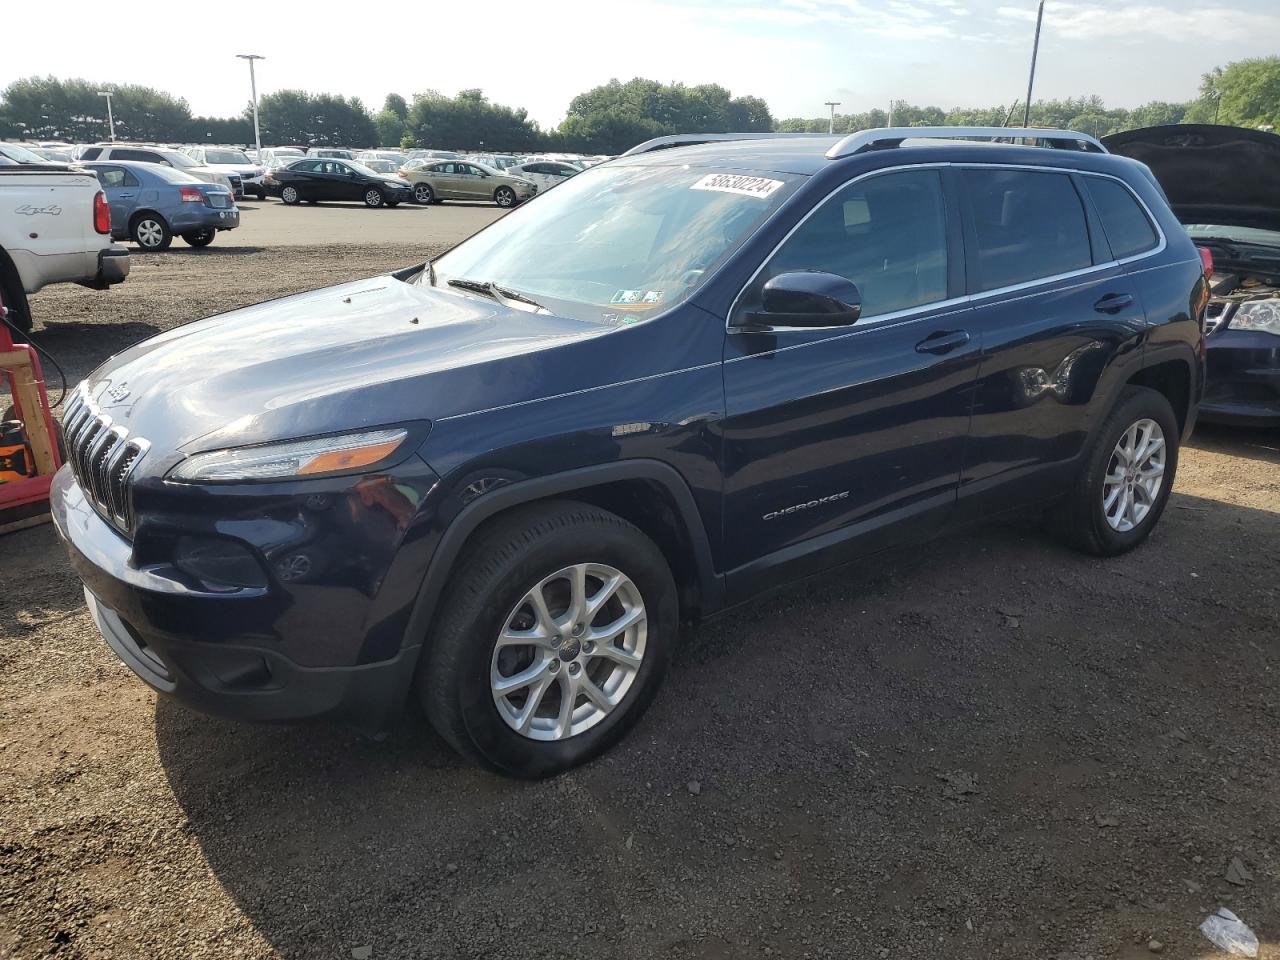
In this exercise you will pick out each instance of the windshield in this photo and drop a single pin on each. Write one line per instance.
(379, 166)
(619, 244)
(359, 167)
(20, 154)
(1205, 231)
(180, 160)
(225, 156)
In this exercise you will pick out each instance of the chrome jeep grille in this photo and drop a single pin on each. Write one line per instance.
(103, 457)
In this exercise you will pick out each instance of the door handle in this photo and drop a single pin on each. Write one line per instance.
(1113, 303)
(943, 341)
(126, 196)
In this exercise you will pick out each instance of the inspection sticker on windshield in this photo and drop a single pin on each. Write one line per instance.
(734, 183)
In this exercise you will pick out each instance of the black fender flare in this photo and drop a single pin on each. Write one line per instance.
(464, 524)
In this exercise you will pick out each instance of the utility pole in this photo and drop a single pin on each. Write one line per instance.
(831, 125)
(1035, 49)
(889, 122)
(111, 121)
(253, 88)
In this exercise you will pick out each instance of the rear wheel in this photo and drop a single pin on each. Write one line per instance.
(290, 195)
(504, 197)
(15, 301)
(151, 232)
(423, 193)
(373, 197)
(1124, 484)
(200, 238)
(552, 639)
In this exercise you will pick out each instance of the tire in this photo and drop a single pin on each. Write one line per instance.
(151, 232)
(15, 300)
(392, 204)
(423, 194)
(289, 194)
(373, 198)
(262, 196)
(1094, 517)
(201, 238)
(508, 560)
(504, 197)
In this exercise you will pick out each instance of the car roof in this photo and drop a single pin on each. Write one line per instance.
(144, 169)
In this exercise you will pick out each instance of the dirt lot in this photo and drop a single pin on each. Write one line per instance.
(991, 747)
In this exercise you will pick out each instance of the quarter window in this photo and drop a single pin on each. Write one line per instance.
(1029, 225)
(888, 234)
(1128, 229)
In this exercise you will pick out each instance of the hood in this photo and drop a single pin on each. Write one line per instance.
(362, 354)
(1211, 174)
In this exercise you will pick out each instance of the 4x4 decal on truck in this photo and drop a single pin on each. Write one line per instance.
(796, 508)
(27, 209)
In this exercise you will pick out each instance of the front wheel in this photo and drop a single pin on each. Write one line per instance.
(373, 197)
(199, 238)
(290, 195)
(423, 194)
(1124, 483)
(552, 638)
(504, 197)
(151, 232)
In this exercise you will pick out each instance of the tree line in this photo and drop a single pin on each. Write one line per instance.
(606, 119)
(1245, 93)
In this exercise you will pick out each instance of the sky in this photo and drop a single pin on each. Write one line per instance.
(796, 54)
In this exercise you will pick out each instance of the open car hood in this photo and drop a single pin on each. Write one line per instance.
(1211, 174)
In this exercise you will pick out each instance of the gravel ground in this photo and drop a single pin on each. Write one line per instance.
(992, 747)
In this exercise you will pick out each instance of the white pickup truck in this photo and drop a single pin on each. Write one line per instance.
(55, 227)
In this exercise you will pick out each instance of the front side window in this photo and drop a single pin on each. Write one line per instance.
(1123, 221)
(888, 234)
(111, 176)
(620, 243)
(1029, 225)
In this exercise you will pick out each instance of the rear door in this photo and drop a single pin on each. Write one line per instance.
(1053, 309)
(835, 435)
(444, 180)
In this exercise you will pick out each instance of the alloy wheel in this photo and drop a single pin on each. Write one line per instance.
(1135, 474)
(569, 652)
(289, 195)
(422, 193)
(505, 197)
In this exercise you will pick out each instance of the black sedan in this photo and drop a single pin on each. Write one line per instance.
(317, 178)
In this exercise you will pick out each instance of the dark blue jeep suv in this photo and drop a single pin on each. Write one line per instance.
(504, 478)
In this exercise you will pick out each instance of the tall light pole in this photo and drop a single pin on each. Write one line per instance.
(831, 125)
(1035, 49)
(111, 121)
(253, 87)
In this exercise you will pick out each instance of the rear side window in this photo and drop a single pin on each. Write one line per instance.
(1128, 229)
(91, 153)
(142, 156)
(888, 234)
(1029, 225)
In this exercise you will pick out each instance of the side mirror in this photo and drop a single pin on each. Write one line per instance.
(806, 299)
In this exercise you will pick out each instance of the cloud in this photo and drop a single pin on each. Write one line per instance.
(1141, 23)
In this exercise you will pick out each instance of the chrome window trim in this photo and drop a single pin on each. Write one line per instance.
(967, 298)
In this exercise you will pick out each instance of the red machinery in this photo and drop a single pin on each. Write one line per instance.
(27, 462)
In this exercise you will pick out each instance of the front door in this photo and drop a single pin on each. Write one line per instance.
(832, 435)
(121, 188)
(343, 181)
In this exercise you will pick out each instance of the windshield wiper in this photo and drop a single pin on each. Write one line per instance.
(490, 289)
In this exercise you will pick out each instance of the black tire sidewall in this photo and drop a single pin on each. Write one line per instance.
(1140, 404)
(497, 743)
(198, 239)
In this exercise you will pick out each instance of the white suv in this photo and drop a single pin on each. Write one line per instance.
(149, 153)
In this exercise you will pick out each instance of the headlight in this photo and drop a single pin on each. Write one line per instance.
(1263, 315)
(296, 458)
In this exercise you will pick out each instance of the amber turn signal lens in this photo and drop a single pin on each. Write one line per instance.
(349, 459)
